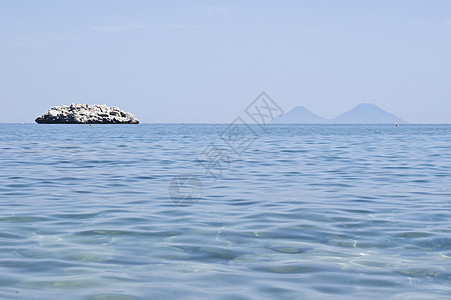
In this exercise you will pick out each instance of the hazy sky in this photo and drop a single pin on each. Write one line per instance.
(205, 61)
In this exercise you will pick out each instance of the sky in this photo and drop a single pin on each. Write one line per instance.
(206, 61)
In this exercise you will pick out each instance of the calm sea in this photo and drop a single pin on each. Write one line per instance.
(294, 212)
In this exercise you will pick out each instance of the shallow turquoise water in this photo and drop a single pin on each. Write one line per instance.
(305, 212)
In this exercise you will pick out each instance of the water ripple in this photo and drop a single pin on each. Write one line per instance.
(355, 212)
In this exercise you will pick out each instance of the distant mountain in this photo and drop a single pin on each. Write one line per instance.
(367, 113)
(299, 115)
(364, 113)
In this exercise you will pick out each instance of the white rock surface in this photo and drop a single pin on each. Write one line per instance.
(86, 114)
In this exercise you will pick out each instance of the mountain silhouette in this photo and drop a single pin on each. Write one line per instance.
(367, 113)
(299, 115)
(364, 113)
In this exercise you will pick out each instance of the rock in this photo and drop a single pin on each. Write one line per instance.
(86, 114)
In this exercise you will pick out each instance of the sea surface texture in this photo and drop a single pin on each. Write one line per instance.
(293, 212)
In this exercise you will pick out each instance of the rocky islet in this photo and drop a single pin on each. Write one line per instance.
(86, 114)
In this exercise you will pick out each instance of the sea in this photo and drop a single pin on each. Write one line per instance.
(209, 211)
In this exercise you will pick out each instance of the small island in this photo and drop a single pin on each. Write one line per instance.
(86, 114)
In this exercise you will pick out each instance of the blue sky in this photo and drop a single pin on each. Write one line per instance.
(205, 61)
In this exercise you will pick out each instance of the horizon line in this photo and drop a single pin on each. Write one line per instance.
(228, 123)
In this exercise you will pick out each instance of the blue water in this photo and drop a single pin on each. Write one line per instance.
(305, 212)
